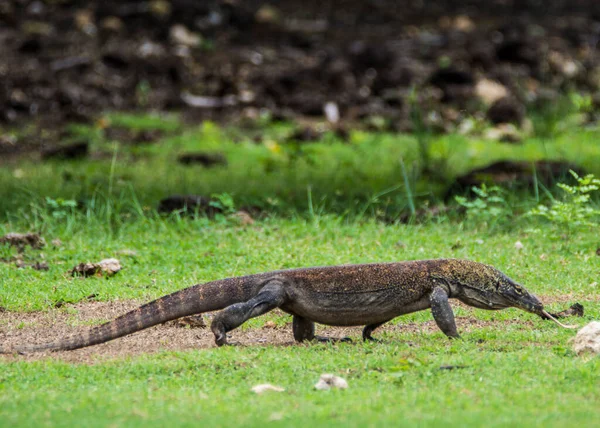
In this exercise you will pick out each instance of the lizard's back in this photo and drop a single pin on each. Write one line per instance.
(357, 294)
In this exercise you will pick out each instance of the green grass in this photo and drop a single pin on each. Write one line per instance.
(504, 384)
(170, 255)
(363, 175)
(520, 370)
(514, 375)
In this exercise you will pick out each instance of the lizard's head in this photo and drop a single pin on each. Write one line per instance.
(485, 287)
(517, 296)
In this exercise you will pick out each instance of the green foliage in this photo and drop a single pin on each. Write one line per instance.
(223, 202)
(212, 387)
(576, 210)
(582, 103)
(489, 207)
(505, 356)
(60, 208)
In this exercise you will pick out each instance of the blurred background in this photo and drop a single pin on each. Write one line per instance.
(374, 106)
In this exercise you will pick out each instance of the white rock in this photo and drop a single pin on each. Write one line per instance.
(180, 35)
(328, 381)
(504, 132)
(332, 112)
(110, 266)
(490, 91)
(588, 339)
(264, 387)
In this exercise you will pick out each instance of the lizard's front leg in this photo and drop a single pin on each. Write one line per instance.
(304, 329)
(271, 296)
(442, 312)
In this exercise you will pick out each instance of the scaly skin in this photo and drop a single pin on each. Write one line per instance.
(350, 295)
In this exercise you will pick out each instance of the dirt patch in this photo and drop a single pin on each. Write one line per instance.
(227, 59)
(38, 327)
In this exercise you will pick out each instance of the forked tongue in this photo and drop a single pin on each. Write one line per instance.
(558, 322)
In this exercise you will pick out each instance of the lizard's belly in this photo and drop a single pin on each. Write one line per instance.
(350, 309)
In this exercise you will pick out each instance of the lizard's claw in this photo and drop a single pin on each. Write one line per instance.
(323, 339)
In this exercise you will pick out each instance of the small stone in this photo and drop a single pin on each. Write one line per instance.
(563, 64)
(505, 133)
(110, 266)
(267, 14)
(332, 112)
(160, 8)
(264, 387)
(84, 21)
(463, 23)
(112, 23)
(588, 339)
(243, 218)
(180, 35)
(329, 381)
(519, 245)
(490, 91)
(106, 267)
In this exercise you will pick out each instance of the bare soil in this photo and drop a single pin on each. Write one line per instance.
(19, 328)
(67, 61)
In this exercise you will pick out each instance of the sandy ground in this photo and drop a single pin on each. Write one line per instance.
(19, 328)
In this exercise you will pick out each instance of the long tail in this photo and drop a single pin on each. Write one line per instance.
(197, 299)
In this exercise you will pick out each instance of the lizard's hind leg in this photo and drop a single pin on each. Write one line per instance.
(271, 296)
(366, 334)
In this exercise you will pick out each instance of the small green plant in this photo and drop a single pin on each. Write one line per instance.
(60, 208)
(582, 103)
(489, 207)
(576, 210)
(223, 202)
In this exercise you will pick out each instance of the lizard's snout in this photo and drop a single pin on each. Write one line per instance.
(526, 301)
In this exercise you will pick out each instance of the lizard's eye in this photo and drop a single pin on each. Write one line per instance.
(518, 290)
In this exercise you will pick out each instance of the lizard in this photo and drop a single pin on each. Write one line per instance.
(347, 295)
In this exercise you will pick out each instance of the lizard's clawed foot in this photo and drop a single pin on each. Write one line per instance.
(323, 339)
(221, 339)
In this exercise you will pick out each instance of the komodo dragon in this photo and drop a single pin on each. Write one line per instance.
(349, 295)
